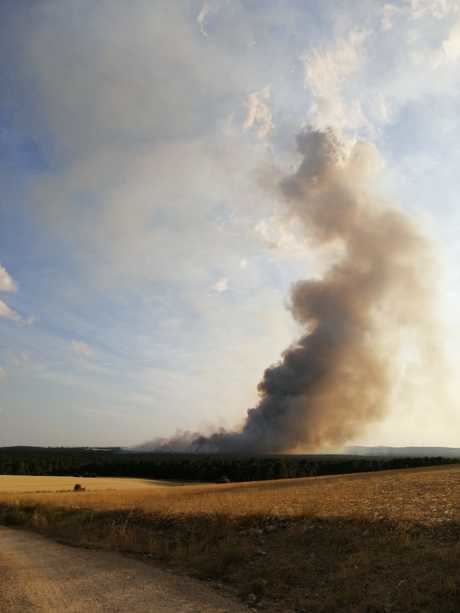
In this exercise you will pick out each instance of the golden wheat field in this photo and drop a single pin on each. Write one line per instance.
(427, 495)
(21, 484)
(386, 542)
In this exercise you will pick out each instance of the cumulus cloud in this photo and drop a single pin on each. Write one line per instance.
(327, 71)
(6, 282)
(359, 81)
(258, 114)
(82, 349)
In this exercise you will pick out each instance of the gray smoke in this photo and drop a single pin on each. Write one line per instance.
(337, 378)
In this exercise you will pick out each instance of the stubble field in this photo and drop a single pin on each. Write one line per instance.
(371, 543)
(18, 484)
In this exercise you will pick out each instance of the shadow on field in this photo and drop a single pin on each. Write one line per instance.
(280, 564)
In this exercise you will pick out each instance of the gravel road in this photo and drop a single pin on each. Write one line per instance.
(40, 575)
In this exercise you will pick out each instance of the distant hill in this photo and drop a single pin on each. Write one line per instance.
(413, 452)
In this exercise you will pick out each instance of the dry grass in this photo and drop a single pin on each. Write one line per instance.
(426, 495)
(368, 543)
(22, 484)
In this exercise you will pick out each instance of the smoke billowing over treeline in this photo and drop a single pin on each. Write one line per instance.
(338, 377)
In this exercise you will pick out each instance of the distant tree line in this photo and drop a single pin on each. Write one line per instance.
(114, 462)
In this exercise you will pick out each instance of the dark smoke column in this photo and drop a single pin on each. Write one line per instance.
(337, 378)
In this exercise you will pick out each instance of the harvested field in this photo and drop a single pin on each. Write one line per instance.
(30, 484)
(428, 495)
(367, 543)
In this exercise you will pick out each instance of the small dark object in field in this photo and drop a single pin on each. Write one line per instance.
(78, 488)
(223, 479)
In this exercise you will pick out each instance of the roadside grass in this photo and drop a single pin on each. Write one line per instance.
(374, 543)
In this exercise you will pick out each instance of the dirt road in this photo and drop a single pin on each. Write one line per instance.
(40, 575)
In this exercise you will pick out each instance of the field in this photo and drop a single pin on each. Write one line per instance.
(24, 484)
(365, 543)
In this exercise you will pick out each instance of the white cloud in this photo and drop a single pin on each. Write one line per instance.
(360, 81)
(243, 264)
(201, 19)
(278, 233)
(82, 349)
(439, 9)
(451, 45)
(221, 285)
(327, 72)
(389, 13)
(258, 114)
(418, 9)
(436, 57)
(8, 313)
(6, 282)
(450, 48)
(208, 8)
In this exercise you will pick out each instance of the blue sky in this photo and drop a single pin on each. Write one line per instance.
(146, 266)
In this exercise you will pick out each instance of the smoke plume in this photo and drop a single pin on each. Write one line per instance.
(338, 377)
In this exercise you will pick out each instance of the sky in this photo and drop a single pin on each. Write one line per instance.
(144, 265)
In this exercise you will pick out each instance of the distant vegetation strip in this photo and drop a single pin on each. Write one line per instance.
(113, 462)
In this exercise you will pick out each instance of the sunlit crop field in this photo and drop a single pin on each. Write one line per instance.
(428, 495)
(20, 484)
(369, 542)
